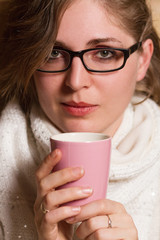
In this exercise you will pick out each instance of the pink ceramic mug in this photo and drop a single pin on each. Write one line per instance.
(90, 151)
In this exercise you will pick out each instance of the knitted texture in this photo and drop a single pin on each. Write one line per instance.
(134, 174)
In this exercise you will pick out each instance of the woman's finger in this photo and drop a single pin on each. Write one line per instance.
(57, 215)
(59, 178)
(113, 234)
(100, 222)
(59, 197)
(93, 224)
(48, 164)
(97, 208)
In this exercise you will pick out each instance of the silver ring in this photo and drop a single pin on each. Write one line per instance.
(109, 222)
(43, 209)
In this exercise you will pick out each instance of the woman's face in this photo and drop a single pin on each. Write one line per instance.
(79, 100)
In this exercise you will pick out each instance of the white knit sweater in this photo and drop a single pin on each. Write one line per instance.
(134, 176)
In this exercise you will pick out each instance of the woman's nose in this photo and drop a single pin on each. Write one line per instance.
(77, 76)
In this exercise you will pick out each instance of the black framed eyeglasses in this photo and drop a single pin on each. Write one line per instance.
(94, 60)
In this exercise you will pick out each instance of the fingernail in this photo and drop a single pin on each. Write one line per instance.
(78, 171)
(76, 209)
(54, 153)
(86, 191)
(70, 220)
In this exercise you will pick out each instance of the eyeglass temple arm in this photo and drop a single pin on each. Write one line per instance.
(133, 48)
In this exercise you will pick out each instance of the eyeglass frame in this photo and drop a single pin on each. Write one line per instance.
(126, 52)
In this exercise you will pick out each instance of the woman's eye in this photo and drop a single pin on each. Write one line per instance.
(105, 54)
(55, 54)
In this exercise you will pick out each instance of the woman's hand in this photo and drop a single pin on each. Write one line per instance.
(49, 213)
(104, 220)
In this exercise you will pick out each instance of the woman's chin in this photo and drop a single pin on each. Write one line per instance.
(80, 129)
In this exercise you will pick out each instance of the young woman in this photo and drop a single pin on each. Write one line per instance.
(77, 65)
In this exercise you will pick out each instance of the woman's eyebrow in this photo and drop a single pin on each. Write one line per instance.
(103, 40)
(60, 44)
(91, 42)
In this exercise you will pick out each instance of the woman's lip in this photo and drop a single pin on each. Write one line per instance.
(79, 104)
(79, 109)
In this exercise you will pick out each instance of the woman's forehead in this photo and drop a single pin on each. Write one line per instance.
(87, 22)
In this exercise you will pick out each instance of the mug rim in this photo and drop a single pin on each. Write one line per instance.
(80, 137)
